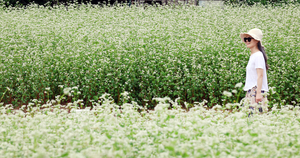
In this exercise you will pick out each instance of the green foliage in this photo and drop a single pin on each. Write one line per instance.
(189, 52)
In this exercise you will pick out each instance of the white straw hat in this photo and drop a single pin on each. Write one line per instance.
(255, 33)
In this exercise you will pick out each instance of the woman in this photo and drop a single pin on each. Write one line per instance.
(256, 71)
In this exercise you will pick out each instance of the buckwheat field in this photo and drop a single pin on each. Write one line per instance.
(150, 82)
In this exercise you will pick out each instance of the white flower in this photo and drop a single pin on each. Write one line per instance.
(61, 86)
(238, 85)
(228, 106)
(234, 91)
(47, 89)
(228, 94)
(125, 95)
(8, 88)
(67, 90)
(272, 89)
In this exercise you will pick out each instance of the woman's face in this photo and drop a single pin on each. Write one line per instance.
(252, 42)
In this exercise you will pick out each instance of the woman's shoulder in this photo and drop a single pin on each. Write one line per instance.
(258, 54)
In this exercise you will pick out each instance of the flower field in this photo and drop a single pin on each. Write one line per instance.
(150, 82)
(191, 52)
(107, 131)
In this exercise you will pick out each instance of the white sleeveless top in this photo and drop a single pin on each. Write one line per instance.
(256, 61)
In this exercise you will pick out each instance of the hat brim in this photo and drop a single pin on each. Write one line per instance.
(242, 35)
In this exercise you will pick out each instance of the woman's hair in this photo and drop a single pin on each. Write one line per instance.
(262, 49)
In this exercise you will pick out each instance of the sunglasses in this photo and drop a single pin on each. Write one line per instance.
(247, 39)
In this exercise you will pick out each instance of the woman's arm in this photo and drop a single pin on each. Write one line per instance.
(260, 73)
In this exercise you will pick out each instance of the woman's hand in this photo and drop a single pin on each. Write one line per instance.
(258, 97)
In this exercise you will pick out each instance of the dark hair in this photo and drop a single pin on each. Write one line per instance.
(262, 49)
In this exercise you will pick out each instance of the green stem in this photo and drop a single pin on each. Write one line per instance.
(61, 98)
(3, 95)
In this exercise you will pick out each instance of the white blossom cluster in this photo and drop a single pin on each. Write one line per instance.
(109, 130)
